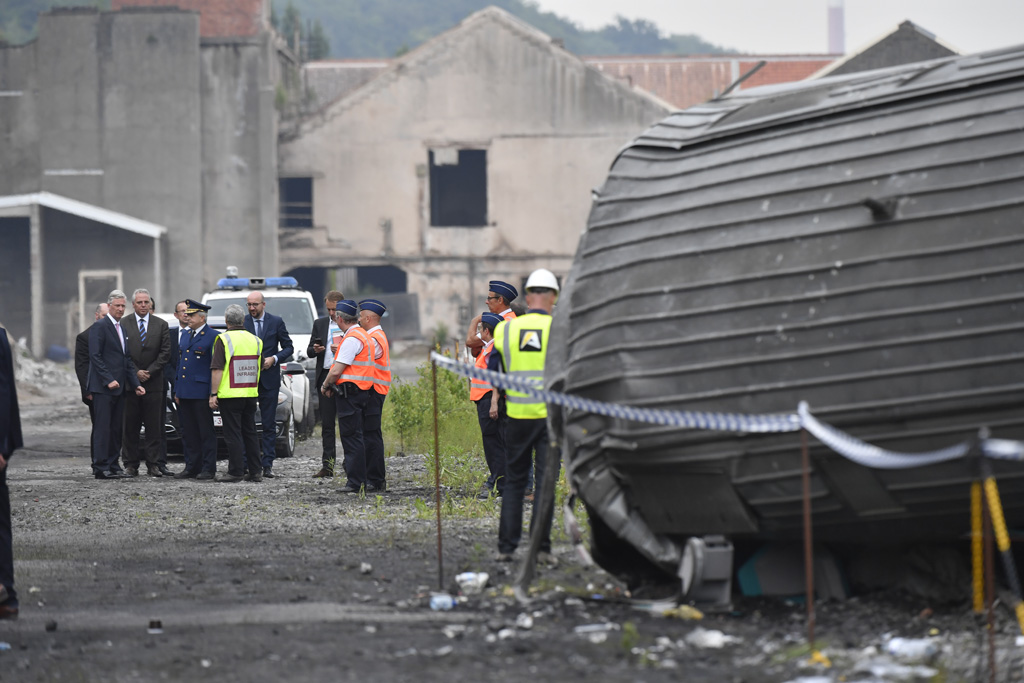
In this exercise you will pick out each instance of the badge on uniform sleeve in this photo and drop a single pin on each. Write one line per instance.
(530, 340)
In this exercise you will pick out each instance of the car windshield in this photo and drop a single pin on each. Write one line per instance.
(297, 316)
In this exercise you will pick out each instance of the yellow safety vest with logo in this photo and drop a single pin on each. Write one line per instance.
(360, 372)
(382, 367)
(523, 344)
(242, 364)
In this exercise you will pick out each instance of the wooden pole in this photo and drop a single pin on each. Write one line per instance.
(437, 482)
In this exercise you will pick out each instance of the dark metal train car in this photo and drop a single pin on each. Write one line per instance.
(854, 242)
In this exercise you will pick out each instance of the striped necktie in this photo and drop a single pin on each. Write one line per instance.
(142, 331)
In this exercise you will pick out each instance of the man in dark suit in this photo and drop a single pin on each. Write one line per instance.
(171, 369)
(320, 342)
(10, 440)
(192, 393)
(82, 370)
(149, 345)
(277, 349)
(111, 372)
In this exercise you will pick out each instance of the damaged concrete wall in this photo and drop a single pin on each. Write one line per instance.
(550, 127)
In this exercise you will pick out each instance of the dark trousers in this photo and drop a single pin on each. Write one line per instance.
(142, 410)
(240, 436)
(373, 439)
(196, 418)
(493, 434)
(328, 418)
(6, 543)
(350, 428)
(522, 439)
(92, 430)
(268, 414)
(108, 423)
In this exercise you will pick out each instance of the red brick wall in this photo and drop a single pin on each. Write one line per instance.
(217, 18)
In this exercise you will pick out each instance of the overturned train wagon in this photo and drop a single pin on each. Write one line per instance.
(854, 242)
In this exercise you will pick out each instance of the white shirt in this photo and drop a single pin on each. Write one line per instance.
(377, 350)
(350, 347)
(120, 332)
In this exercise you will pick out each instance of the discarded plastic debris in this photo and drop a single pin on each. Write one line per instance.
(472, 583)
(912, 648)
(596, 628)
(709, 638)
(155, 627)
(683, 612)
(4, 646)
(365, 567)
(818, 657)
(524, 621)
(441, 602)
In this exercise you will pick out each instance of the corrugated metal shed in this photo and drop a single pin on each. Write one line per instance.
(856, 242)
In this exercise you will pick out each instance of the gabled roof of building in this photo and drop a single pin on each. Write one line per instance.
(905, 44)
(20, 204)
(436, 47)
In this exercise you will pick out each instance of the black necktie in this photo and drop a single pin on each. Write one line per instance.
(259, 328)
(191, 335)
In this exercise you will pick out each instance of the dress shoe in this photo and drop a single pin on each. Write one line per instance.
(268, 472)
(324, 473)
(163, 470)
(229, 478)
(131, 471)
(253, 476)
(8, 612)
(185, 474)
(153, 471)
(205, 476)
(108, 475)
(349, 488)
(376, 488)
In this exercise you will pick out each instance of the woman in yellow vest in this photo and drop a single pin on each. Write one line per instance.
(235, 376)
(520, 348)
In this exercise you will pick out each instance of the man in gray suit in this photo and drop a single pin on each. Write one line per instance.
(149, 345)
(111, 373)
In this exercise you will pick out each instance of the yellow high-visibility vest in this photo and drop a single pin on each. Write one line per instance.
(242, 364)
(523, 344)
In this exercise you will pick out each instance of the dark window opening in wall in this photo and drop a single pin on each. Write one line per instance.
(458, 187)
(296, 197)
(381, 280)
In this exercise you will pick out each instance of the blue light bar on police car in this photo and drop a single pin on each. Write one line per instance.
(256, 282)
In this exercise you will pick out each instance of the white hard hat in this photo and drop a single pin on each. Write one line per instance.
(542, 277)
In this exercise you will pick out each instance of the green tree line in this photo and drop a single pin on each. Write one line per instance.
(316, 29)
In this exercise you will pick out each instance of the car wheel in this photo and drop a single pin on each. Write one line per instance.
(285, 446)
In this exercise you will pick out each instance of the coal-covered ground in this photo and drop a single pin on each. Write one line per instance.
(290, 580)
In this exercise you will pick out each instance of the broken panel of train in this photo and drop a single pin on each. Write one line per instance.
(853, 242)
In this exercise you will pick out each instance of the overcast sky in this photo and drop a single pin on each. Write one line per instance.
(801, 26)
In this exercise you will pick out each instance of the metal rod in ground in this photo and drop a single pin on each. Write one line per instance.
(977, 557)
(990, 590)
(437, 482)
(808, 537)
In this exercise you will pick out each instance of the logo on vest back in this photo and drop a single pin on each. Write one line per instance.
(243, 372)
(530, 340)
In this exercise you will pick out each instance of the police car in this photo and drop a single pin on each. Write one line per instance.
(284, 298)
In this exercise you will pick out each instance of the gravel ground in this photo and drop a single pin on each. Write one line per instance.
(290, 580)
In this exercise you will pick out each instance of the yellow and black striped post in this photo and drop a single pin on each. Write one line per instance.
(1002, 538)
(977, 556)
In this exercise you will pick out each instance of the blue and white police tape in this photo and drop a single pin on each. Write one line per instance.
(723, 422)
(842, 443)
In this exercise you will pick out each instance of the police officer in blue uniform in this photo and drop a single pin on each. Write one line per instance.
(192, 392)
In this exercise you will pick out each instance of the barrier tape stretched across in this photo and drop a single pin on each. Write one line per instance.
(842, 443)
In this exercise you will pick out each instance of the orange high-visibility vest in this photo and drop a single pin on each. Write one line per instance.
(509, 314)
(382, 367)
(361, 370)
(479, 388)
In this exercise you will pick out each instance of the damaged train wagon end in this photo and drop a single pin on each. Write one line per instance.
(854, 242)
